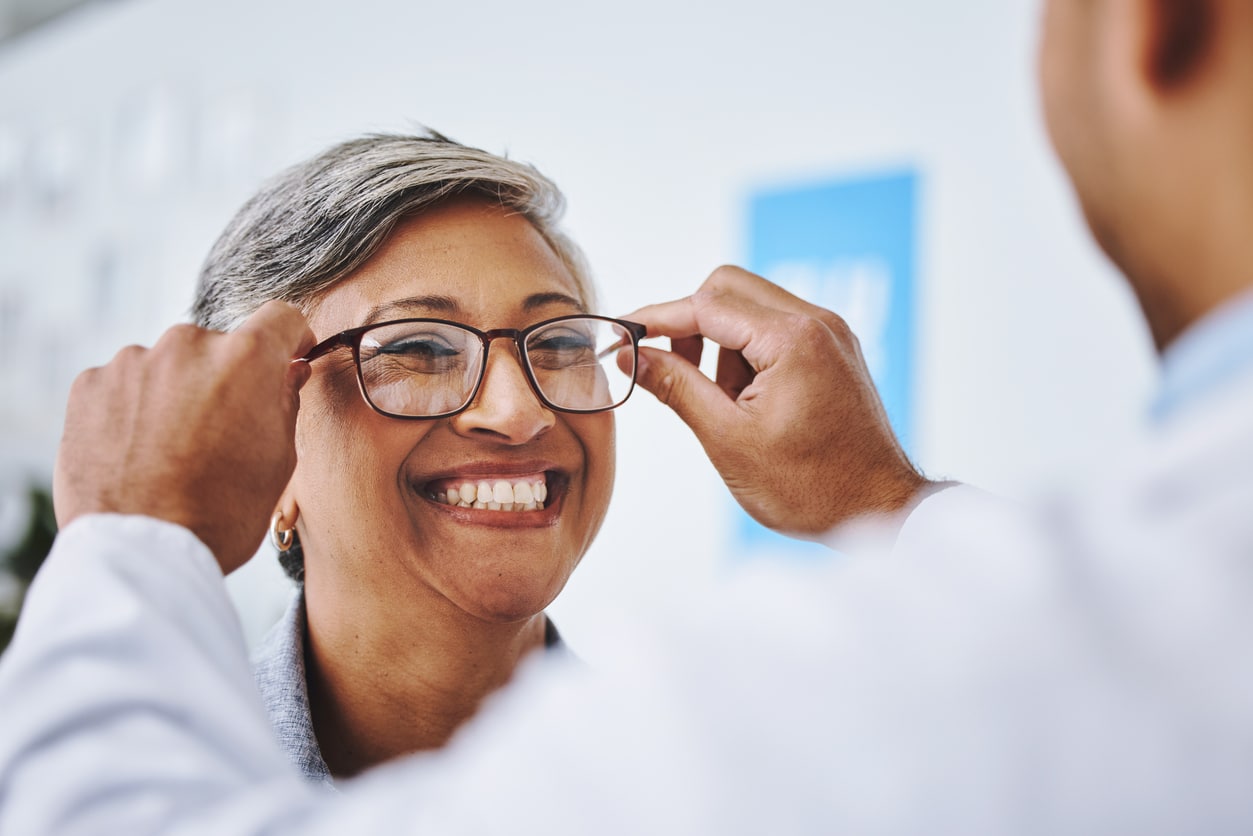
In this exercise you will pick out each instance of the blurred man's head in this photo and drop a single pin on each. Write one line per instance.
(1149, 104)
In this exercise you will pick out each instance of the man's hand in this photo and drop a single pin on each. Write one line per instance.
(793, 422)
(198, 431)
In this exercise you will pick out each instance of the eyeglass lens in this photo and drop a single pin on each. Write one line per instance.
(428, 368)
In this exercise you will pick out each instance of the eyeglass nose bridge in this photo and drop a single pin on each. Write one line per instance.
(516, 336)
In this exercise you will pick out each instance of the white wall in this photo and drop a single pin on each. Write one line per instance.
(131, 131)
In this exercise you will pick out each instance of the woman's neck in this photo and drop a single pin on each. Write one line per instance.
(388, 686)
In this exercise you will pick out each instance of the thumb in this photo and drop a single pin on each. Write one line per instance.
(697, 400)
(298, 374)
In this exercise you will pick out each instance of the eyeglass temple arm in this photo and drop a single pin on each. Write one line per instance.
(327, 345)
(637, 330)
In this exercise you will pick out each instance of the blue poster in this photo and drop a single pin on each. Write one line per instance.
(847, 245)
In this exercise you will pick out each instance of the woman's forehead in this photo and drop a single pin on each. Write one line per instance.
(468, 262)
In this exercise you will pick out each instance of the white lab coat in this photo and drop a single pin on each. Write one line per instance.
(1081, 667)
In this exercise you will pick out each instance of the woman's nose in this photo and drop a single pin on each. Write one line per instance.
(505, 406)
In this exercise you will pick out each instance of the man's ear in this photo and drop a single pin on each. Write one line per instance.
(1179, 40)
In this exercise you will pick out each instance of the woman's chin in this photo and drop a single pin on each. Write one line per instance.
(507, 603)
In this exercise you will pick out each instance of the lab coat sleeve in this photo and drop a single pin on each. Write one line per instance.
(936, 512)
(129, 707)
(126, 700)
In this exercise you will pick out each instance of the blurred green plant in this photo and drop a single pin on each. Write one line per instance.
(23, 559)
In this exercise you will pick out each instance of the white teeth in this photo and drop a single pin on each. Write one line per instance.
(496, 495)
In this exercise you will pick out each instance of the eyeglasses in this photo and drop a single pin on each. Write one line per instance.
(432, 368)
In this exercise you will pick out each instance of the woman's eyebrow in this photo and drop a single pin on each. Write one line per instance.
(413, 305)
(447, 306)
(543, 300)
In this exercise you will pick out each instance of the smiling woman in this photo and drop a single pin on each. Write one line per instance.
(455, 445)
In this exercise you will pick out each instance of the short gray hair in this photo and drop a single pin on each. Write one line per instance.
(318, 221)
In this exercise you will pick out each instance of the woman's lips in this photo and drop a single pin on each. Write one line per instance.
(514, 494)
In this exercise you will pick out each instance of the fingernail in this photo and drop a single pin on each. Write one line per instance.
(298, 374)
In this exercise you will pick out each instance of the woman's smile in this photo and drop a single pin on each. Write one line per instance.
(493, 493)
(501, 496)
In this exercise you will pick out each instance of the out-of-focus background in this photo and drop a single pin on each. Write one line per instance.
(885, 159)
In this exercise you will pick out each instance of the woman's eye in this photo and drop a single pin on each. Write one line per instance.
(561, 349)
(417, 347)
(420, 354)
(566, 341)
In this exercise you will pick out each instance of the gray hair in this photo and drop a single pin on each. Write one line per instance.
(318, 221)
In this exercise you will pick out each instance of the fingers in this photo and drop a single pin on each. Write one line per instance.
(737, 281)
(734, 373)
(689, 348)
(697, 400)
(740, 312)
(198, 430)
(278, 332)
(281, 328)
(792, 422)
(680, 318)
(297, 376)
(675, 319)
(755, 323)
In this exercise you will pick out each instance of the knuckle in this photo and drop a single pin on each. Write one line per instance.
(84, 382)
(244, 348)
(245, 343)
(184, 332)
(814, 337)
(723, 277)
(179, 337)
(705, 295)
(809, 327)
(664, 386)
(836, 323)
(826, 325)
(126, 356)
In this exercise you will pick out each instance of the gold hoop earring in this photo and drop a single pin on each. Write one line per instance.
(282, 538)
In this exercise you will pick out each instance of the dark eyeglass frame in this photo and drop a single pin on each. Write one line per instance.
(353, 336)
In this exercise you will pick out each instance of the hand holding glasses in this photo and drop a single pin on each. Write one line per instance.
(433, 368)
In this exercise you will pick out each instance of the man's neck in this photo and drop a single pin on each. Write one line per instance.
(1185, 279)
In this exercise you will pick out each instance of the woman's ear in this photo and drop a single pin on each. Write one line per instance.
(287, 511)
(283, 535)
(1179, 40)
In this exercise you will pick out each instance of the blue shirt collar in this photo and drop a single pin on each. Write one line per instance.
(1208, 355)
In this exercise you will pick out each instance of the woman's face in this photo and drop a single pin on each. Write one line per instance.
(373, 531)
